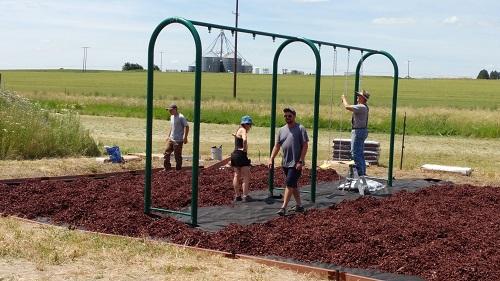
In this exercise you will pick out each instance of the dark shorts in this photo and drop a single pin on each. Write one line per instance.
(292, 176)
(239, 158)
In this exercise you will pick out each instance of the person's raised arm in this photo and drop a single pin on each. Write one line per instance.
(346, 104)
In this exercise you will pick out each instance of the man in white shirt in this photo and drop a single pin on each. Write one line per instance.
(177, 136)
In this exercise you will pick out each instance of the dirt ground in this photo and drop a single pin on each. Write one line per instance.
(440, 233)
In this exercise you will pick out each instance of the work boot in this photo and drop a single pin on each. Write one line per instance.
(166, 164)
(364, 186)
(358, 185)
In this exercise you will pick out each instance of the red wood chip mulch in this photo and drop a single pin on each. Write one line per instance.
(439, 233)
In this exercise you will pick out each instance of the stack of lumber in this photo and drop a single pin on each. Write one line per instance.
(342, 150)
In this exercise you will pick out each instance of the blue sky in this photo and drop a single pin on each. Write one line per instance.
(440, 38)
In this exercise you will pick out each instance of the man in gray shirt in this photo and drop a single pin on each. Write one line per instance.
(293, 140)
(359, 131)
(177, 136)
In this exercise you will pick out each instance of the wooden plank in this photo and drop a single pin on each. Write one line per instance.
(466, 171)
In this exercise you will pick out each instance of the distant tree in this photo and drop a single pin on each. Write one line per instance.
(494, 75)
(483, 74)
(132, 66)
(156, 68)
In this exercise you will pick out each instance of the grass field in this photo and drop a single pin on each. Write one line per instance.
(28, 131)
(456, 93)
(450, 107)
(483, 155)
(31, 251)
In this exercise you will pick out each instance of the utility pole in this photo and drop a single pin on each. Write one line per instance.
(235, 64)
(84, 67)
(408, 76)
(161, 61)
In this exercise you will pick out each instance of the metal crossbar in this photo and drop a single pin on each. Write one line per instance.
(190, 25)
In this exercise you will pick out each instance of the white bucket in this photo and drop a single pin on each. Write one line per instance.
(216, 152)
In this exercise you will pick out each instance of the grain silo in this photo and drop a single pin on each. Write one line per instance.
(220, 57)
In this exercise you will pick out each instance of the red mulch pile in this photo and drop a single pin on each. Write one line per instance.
(440, 233)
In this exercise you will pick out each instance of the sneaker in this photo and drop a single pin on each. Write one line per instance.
(237, 198)
(247, 198)
(298, 209)
(281, 212)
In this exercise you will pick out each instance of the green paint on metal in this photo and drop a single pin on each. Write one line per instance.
(277, 35)
(317, 86)
(394, 102)
(171, 212)
(197, 101)
(196, 121)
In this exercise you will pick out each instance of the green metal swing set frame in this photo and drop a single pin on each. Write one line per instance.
(190, 25)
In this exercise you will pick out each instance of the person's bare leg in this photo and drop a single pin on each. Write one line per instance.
(236, 181)
(296, 196)
(245, 175)
(286, 198)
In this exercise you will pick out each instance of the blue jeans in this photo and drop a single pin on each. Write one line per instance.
(358, 137)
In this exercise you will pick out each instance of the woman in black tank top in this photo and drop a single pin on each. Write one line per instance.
(240, 161)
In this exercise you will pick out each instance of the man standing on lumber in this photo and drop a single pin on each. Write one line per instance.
(177, 137)
(359, 131)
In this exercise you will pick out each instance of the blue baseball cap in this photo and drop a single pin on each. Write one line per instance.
(246, 120)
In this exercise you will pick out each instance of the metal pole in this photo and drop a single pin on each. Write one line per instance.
(84, 63)
(86, 57)
(394, 103)
(161, 61)
(235, 65)
(221, 63)
(317, 91)
(408, 76)
(403, 143)
(83, 60)
(196, 120)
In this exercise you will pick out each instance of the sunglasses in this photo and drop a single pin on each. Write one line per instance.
(288, 115)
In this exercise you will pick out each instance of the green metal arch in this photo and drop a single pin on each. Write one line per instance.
(196, 119)
(394, 102)
(316, 110)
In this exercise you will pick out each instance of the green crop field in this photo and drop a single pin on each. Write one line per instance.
(463, 107)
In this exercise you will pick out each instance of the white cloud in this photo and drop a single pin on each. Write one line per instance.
(451, 20)
(393, 21)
